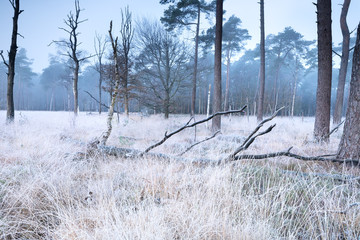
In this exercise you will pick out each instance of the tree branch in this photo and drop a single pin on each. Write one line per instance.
(197, 143)
(334, 129)
(167, 136)
(102, 104)
(296, 156)
(336, 53)
(4, 61)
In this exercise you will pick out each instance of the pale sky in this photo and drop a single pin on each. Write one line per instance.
(41, 18)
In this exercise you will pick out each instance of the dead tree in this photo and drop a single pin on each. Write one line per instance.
(72, 22)
(10, 113)
(323, 93)
(100, 46)
(344, 63)
(349, 146)
(114, 45)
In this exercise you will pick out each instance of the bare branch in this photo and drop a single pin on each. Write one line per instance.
(4, 61)
(336, 53)
(167, 136)
(20, 35)
(334, 129)
(296, 156)
(102, 104)
(197, 143)
(247, 143)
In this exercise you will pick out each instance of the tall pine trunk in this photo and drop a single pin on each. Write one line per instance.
(227, 86)
(260, 103)
(216, 121)
(194, 80)
(344, 63)
(323, 93)
(349, 146)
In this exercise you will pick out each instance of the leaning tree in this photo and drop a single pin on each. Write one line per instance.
(349, 146)
(10, 64)
(344, 63)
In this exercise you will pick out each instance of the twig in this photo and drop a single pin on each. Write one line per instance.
(187, 125)
(2, 56)
(102, 104)
(334, 129)
(336, 53)
(251, 138)
(206, 139)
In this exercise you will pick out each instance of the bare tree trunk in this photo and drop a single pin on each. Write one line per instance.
(194, 80)
(216, 121)
(294, 89)
(323, 93)
(167, 105)
(349, 146)
(75, 88)
(106, 135)
(208, 105)
(260, 103)
(293, 97)
(127, 34)
(227, 86)
(10, 113)
(344, 63)
(100, 90)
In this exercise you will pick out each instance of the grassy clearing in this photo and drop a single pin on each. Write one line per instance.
(44, 194)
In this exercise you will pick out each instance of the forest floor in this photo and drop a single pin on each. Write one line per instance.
(45, 193)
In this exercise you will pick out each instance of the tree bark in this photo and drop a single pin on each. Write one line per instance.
(75, 87)
(323, 93)
(194, 80)
(344, 63)
(117, 83)
(216, 121)
(226, 104)
(260, 103)
(10, 113)
(349, 146)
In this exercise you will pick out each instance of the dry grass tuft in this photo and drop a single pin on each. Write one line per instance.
(44, 194)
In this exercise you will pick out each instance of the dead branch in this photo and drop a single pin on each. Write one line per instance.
(197, 143)
(334, 129)
(4, 61)
(251, 138)
(287, 153)
(102, 104)
(336, 53)
(188, 125)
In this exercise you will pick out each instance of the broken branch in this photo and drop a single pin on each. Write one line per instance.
(296, 156)
(102, 104)
(197, 143)
(167, 136)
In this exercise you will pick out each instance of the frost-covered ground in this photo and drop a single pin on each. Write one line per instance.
(46, 194)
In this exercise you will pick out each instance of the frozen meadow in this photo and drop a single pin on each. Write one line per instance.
(46, 193)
